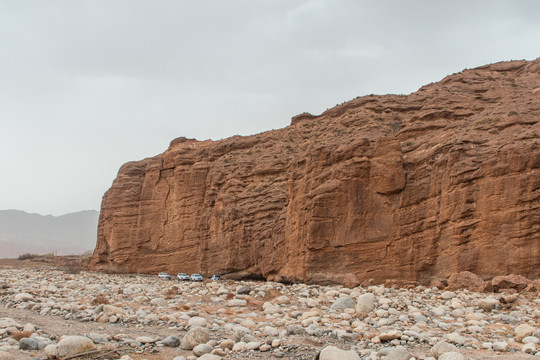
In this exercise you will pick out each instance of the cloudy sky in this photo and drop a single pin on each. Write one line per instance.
(86, 86)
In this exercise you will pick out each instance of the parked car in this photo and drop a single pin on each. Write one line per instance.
(196, 277)
(164, 275)
(183, 277)
(215, 277)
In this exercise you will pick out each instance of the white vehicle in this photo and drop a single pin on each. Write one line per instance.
(183, 277)
(196, 277)
(164, 275)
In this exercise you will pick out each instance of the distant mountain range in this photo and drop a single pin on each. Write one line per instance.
(21, 233)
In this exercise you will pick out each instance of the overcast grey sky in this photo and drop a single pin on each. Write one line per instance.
(86, 86)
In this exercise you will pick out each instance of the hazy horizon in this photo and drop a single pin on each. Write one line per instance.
(69, 234)
(89, 86)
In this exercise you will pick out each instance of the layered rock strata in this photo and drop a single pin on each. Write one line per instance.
(401, 187)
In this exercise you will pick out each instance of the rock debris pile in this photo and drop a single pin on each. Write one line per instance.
(142, 317)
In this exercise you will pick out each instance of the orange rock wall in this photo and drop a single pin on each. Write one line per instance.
(412, 187)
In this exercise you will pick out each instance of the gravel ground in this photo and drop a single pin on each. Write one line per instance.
(144, 317)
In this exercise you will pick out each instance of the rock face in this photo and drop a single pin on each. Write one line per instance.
(414, 187)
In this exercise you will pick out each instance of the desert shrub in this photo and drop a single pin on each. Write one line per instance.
(27, 256)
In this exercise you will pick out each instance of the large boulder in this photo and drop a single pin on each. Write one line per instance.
(72, 345)
(23, 297)
(365, 303)
(399, 353)
(523, 330)
(334, 353)
(442, 347)
(343, 303)
(466, 280)
(30, 344)
(195, 336)
(515, 282)
(111, 310)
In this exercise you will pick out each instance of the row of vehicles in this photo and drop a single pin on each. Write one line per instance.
(186, 277)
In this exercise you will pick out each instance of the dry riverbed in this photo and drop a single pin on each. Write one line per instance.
(48, 313)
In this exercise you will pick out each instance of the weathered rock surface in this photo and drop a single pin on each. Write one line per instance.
(414, 187)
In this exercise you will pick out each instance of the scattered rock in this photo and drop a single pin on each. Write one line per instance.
(171, 341)
(398, 353)
(30, 344)
(442, 347)
(202, 349)
(72, 345)
(451, 355)
(515, 282)
(365, 303)
(466, 280)
(488, 304)
(334, 353)
(195, 336)
(523, 330)
(343, 303)
(244, 290)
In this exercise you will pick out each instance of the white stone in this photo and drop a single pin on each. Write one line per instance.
(202, 349)
(158, 302)
(523, 330)
(500, 346)
(210, 357)
(195, 336)
(365, 303)
(448, 295)
(111, 310)
(23, 297)
(334, 353)
(71, 345)
(488, 304)
(253, 345)
(239, 346)
(530, 339)
(456, 338)
(343, 303)
(282, 300)
(529, 348)
(197, 321)
(451, 355)
(442, 347)
(145, 339)
(237, 303)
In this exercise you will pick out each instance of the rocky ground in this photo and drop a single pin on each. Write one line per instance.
(49, 313)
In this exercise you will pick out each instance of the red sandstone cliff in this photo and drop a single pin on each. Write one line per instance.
(412, 187)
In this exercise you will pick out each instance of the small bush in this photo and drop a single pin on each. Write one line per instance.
(27, 256)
